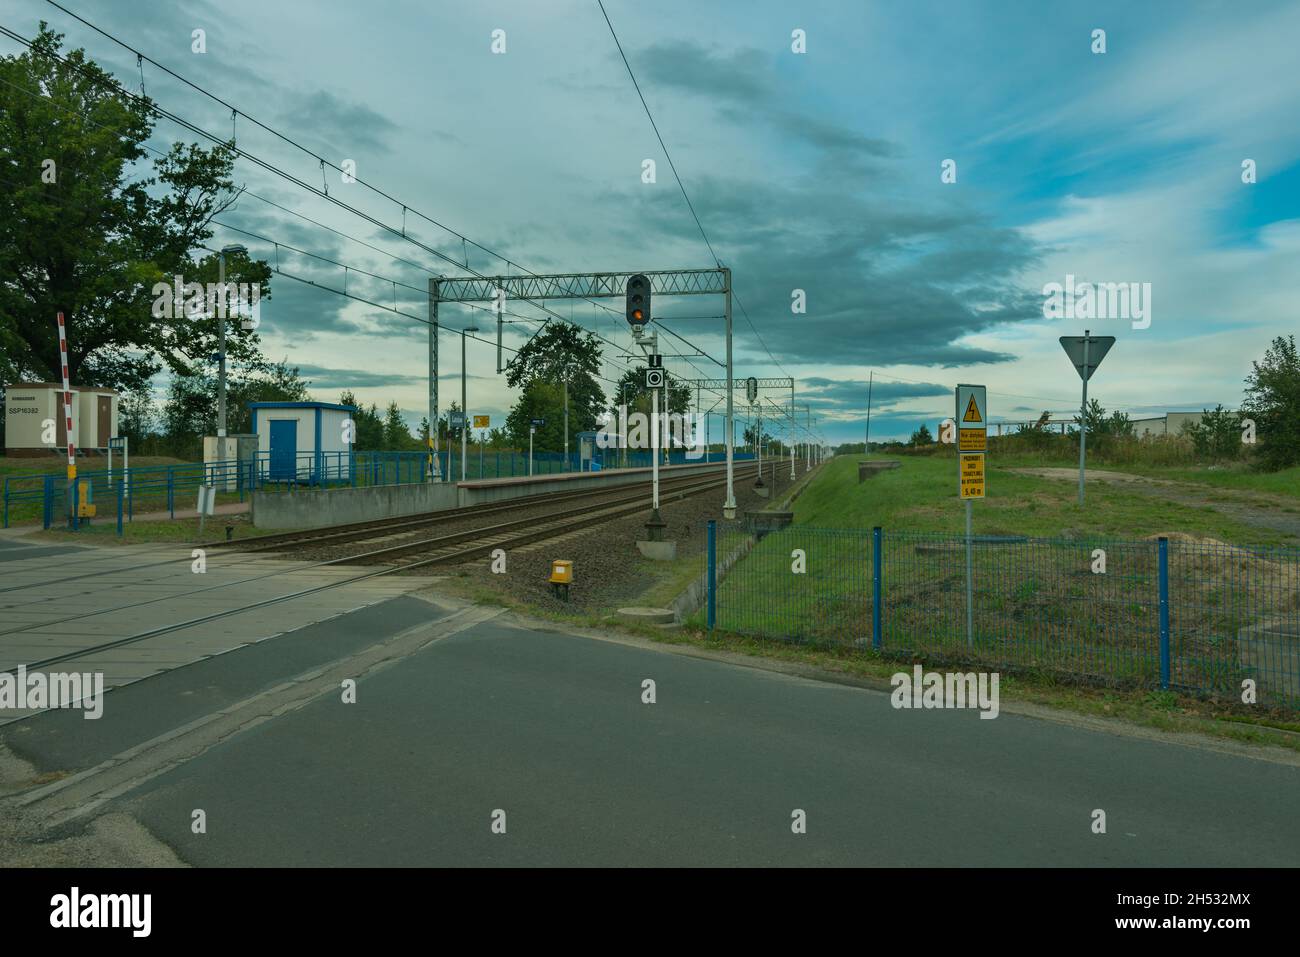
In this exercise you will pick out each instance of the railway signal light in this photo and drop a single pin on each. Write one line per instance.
(638, 302)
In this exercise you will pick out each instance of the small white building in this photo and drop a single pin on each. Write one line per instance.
(308, 442)
(29, 406)
(96, 417)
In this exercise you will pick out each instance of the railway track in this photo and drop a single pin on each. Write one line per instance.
(475, 543)
(441, 550)
(343, 533)
(597, 499)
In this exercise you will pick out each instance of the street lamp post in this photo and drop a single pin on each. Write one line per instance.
(464, 410)
(221, 336)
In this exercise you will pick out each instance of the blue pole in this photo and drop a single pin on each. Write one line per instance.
(877, 579)
(1164, 614)
(119, 508)
(171, 491)
(713, 573)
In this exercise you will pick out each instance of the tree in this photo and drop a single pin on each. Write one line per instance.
(559, 353)
(137, 418)
(1217, 436)
(751, 435)
(78, 236)
(397, 436)
(921, 436)
(1272, 402)
(1093, 418)
(369, 426)
(540, 400)
(191, 408)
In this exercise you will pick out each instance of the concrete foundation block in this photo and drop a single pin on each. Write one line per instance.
(658, 551)
(649, 616)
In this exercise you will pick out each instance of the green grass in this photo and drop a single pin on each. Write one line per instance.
(922, 496)
(1038, 606)
(16, 466)
(1230, 475)
(1285, 483)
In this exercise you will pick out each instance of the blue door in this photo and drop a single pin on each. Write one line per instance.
(284, 450)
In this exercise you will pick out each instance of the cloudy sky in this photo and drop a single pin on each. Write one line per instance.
(818, 171)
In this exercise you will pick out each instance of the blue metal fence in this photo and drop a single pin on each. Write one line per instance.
(161, 487)
(1162, 613)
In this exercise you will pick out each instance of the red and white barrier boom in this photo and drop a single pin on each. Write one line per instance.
(67, 400)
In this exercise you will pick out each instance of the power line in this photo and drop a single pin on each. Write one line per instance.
(680, 185)
(324, 194)
(154, 108)
(235, 111)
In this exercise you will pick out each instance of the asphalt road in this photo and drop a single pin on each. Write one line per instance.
(551, 729)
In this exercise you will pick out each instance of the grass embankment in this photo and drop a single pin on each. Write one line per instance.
(922, 496)
(1236, 476)
(1039, 606)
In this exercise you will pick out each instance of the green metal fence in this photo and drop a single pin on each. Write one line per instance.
(1161, 613)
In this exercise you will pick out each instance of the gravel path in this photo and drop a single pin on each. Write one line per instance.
(1272, 512)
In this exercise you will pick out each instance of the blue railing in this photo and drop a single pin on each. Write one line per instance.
(1161, 613)
(161, 487)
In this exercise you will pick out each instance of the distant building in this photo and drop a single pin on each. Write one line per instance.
(1168, 423)
(1171, 423)
(34, 410)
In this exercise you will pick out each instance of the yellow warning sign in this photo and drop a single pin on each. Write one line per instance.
(972, 413)
(482, 421)
(972, 440)
(972, 475)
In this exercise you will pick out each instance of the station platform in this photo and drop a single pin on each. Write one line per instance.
(314, 508)
(614, 474)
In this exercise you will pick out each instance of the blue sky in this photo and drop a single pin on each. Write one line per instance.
(818, 171)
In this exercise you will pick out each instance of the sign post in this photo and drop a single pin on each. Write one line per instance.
(654, 381)
(1086, 352)
(206, 503)
(532, 429)
(972, 445)
(481, 422)
(67, 424)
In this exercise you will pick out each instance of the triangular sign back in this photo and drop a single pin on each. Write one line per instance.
(1098, 346)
